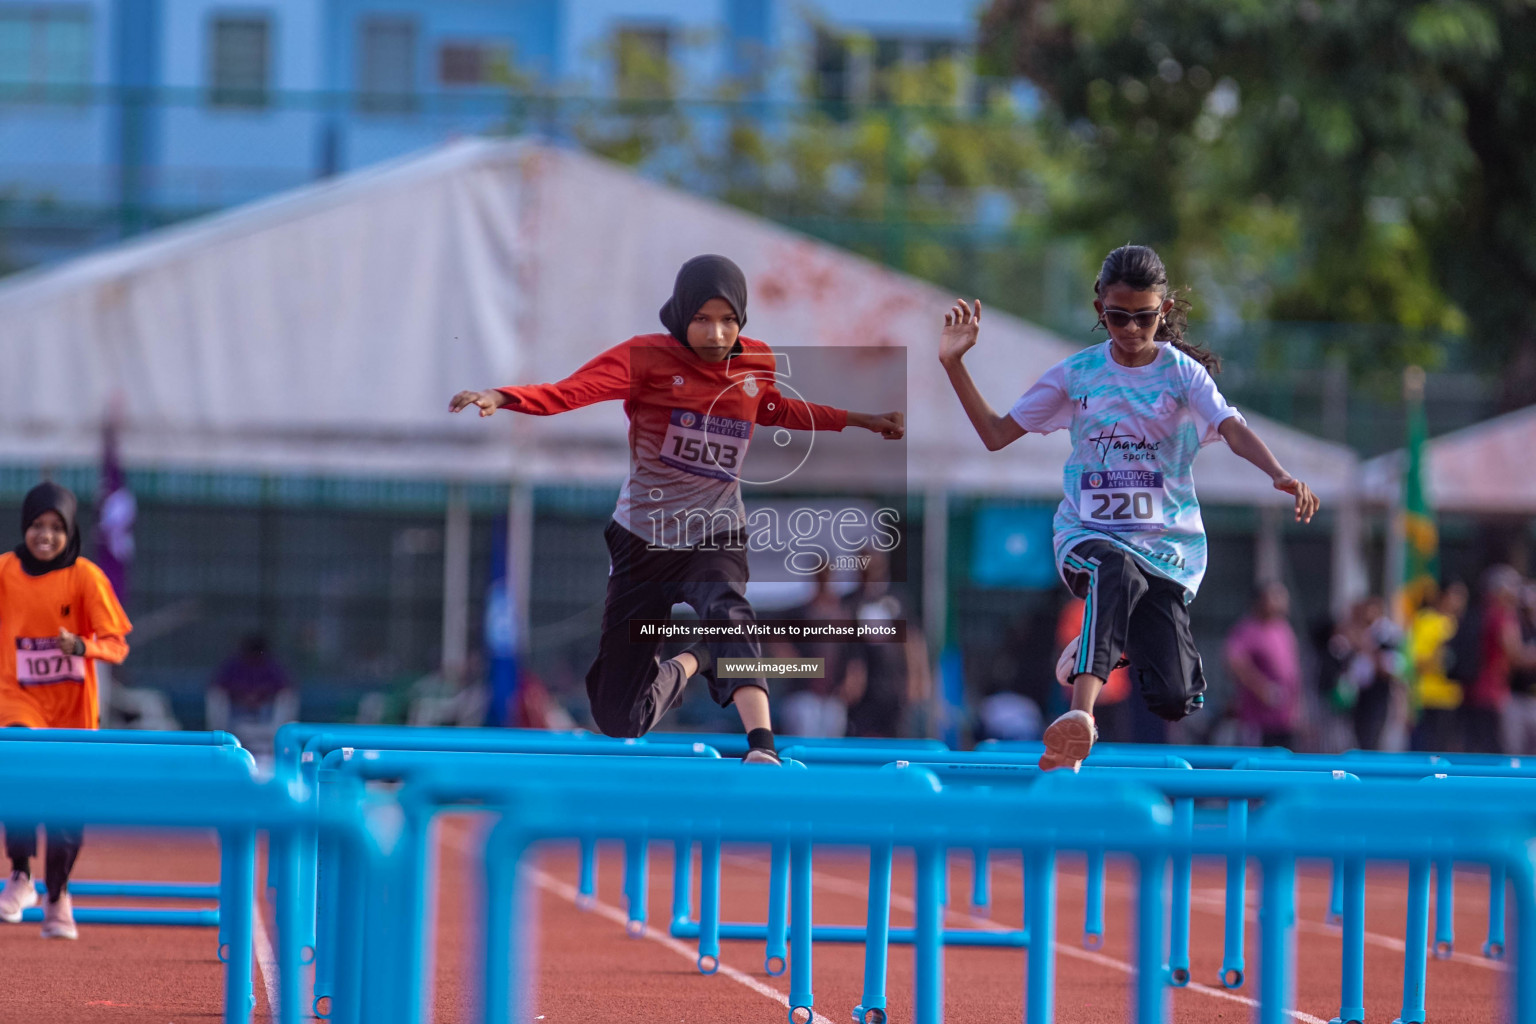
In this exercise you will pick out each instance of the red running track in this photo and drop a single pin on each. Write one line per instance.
(589, 970)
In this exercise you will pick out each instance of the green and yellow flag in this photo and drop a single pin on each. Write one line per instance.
(1421, 550)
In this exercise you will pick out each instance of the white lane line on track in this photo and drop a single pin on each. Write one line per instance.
(845, 887)
(266, 959)
(617, 916)
(568, 893)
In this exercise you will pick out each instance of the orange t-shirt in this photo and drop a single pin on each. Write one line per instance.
(39, 687)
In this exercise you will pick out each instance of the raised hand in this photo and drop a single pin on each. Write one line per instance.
(1306, 501)
(961, 325)
(488, 401)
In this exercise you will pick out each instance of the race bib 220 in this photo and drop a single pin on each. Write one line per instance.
(1121, 499)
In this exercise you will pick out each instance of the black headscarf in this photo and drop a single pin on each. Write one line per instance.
(701, 279)
(49, 497)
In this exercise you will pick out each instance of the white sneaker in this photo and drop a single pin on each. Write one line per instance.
(1068, 661)
(19, 894)
(1065, 663)
(758, 755)
(59, 919)
(1068, 741)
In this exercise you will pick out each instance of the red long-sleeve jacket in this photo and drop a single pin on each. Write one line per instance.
(690, 424)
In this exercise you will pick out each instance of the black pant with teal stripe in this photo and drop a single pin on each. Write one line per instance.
(1131, 610)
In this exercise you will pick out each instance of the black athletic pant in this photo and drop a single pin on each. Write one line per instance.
(1372, 707)
(630, 688)
(1127, 609)
(63, 848)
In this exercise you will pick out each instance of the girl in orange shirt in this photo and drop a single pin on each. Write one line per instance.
(58, 616)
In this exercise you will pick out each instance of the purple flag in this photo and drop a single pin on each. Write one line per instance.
(115, 513)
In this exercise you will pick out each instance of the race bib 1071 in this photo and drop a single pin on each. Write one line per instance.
(39, 662)
(703, 445)
(1121, 499)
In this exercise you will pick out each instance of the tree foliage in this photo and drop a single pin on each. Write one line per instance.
(1344, 160)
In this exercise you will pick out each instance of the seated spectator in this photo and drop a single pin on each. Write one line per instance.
(251, 696)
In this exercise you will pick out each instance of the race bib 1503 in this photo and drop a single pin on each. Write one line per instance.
(39, 661)
(706, 445)
(1121, 499)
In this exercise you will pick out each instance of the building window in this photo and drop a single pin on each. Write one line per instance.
(643, 62)
(462, 64)
(832, 69)
(894, 55)
(386, 67)
(44, 48)
(241, 51)
(858, 68)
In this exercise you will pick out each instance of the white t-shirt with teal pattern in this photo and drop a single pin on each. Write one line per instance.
(1135, 433)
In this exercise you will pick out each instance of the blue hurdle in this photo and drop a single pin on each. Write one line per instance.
(139, 890)
(302, 747)
(328, 769)
(180, 786)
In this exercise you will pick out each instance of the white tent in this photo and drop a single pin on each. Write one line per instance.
(1478, 469)
(324, 330)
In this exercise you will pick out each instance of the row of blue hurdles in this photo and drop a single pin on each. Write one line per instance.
(350, 860)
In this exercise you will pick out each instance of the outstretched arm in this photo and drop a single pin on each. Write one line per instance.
(1242, 440)
(961, 326)
(777, 411)
(603, 378)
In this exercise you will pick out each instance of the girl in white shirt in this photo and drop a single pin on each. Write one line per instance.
(1128, 536)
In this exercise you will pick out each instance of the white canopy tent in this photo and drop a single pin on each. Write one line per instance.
(323, 332)
(1478, 469)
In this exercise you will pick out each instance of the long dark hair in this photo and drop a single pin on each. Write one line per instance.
(1141, 268)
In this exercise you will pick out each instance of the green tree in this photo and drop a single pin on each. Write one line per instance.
(1366, 161)
(927, 172)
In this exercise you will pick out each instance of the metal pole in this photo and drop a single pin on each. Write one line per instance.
(456, 544)
(936, 594)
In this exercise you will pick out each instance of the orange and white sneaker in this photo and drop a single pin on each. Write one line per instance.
(19, 894)
(59, 919)
(1068, 741)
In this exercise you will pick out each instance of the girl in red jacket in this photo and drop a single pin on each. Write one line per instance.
(693, 397)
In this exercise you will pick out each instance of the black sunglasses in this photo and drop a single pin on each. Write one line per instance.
(1121, 319)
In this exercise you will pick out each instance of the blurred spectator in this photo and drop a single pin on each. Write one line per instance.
(1500, 651)
(1436, 695)
(1383, 698)
(815, 707)
(463, 698)
(886, 681)
(1331, 731)
(1263, 657)
(1366, 652)
(1006, 715)
(1520, 719)
(1111, 712)
(251, 696)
